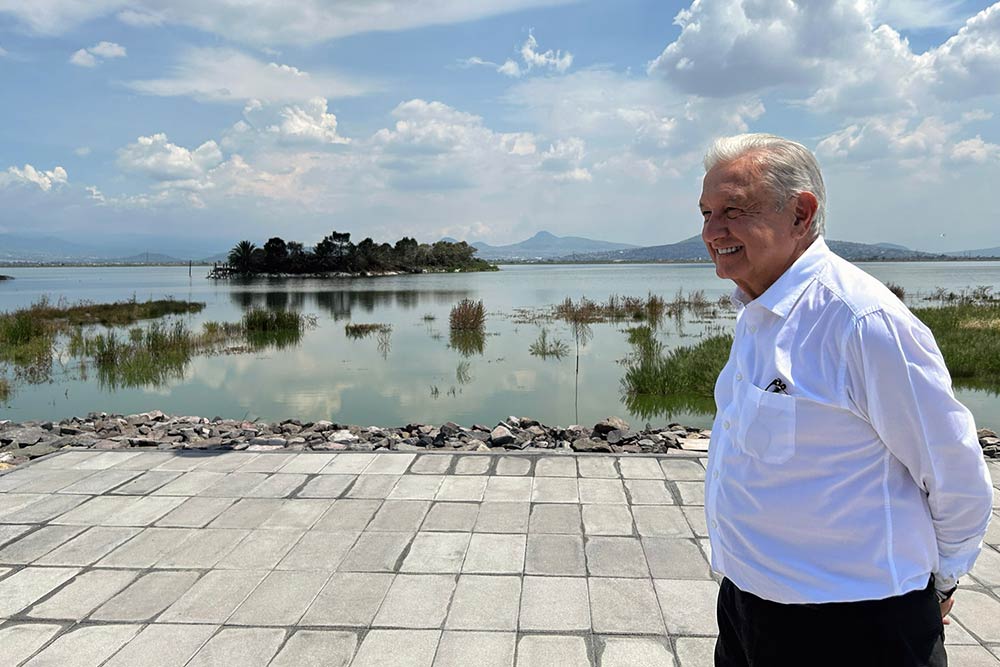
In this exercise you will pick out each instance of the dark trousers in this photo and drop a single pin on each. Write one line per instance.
(902, 631)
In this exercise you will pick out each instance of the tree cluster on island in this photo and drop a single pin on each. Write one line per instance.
(337, 254)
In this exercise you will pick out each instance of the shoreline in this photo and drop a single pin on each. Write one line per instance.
(21, 442)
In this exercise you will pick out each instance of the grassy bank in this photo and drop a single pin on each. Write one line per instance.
(96, 337)
(969, 337)
(659, 381)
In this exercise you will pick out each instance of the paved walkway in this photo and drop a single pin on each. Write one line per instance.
(242, 559)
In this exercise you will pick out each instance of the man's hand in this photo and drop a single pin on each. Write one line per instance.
(946, 609)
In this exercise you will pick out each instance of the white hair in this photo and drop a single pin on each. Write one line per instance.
(787, 167)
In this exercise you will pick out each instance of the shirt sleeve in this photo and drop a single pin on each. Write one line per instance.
(897, 377)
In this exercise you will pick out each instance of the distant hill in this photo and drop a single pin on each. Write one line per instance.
(693, 249)
(125, 249)
(544, 245)
(150, 258)
(982, 252)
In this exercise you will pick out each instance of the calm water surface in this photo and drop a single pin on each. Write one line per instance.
(418, 377)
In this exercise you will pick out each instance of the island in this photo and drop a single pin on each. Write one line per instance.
(337, 256)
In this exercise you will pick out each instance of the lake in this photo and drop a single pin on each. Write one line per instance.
(415, 376)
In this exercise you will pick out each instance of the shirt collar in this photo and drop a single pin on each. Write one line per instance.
(786, 290)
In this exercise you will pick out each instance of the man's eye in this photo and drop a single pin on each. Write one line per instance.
(732, 213)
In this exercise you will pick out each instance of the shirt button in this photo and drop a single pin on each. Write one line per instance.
(739, 377)
(715, 475)
(726, 424)
(753, 329)
(715, 524)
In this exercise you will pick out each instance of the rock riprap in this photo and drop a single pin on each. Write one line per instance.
(20, 442)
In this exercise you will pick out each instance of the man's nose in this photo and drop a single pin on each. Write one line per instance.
(714, 227)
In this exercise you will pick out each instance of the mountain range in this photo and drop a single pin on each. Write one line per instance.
(124, 249)
(543, 246)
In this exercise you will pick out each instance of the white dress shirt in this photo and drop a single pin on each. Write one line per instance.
(865, 476)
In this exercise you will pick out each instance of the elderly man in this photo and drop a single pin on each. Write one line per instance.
(846, 490)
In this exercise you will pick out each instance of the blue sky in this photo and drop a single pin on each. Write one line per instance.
(212, 121)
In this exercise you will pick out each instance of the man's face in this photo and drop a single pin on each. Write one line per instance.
(751, 237)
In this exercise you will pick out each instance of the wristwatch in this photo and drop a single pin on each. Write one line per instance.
(944, 596)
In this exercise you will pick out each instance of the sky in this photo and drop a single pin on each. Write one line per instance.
(213, 121)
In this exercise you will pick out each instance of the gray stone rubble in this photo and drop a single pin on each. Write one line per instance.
(20, 442)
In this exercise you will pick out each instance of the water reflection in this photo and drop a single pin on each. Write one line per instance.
(651, 407)
(468, 342)
(340, 303)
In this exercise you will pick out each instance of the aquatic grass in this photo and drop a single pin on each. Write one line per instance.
(546, 347)
(119, 313)
(683, 371)
(896, 289)
(651, 309)
(429, 317)
(264, 328)
(969, 337)
(467, 315)
(6, 391)
(150, 356)
(363, 330)
(258, 320)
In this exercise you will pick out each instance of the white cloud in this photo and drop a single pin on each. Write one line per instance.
(92, 56)
(554, 60)
(510, 68)
(108, 50)
(3, 52)
(293, 125)
(44, 180)
(918, 14)
(264, 21)
(533, 59)
(563, 158)
(82, 151)
(228, 75)
(975, 150)
(83, 58)
(161, 160)
(140, 18)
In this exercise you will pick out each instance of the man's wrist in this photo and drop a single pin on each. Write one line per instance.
(945, 595)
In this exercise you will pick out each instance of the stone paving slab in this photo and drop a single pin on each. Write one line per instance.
(364, 559)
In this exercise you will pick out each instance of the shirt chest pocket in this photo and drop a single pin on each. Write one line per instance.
(766, 425)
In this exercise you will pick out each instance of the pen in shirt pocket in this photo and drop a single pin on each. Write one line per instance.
(777, 386)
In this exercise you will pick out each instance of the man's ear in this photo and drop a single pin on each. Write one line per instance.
(806, 206)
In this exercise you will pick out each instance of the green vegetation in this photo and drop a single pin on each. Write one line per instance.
(969, 337)
(467, 322)
(689, 371)
(336, 253)
(897, 290)
(463, 372)
(32, 338)
(660, 382)
(616, 308)
(467, 315)
(119, 313)
(545, 347)
(359, 330)
(263, 328)
(5, 390)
